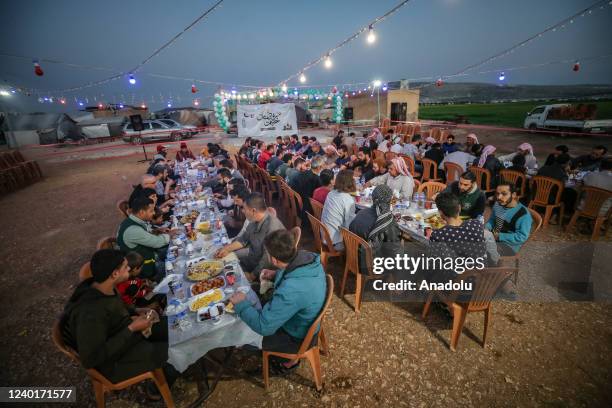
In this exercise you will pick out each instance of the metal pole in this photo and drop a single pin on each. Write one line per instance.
(378, 103)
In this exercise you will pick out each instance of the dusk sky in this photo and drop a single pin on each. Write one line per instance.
(262, 42)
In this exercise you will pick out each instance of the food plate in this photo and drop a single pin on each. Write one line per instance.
(189, 217)
(206, 285)
(203, 270)
(435, 222)
(205, 299)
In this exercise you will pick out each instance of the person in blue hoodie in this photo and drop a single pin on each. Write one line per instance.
(299, 294)
(510, 221)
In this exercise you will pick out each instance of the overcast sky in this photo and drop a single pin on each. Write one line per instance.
(262, 42)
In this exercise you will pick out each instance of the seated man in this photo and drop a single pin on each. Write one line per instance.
(234, 220)
(471, 198)
(252, 255)
(135, 235)
(299, 295)
(398, 178)
(592, 161)
(107, 333)
(459, 238)
(510, 221)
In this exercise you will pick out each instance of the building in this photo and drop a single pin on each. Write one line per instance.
(396, 104)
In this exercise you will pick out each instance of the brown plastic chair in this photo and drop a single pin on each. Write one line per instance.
(322, 240)
(32, 166)
(352, 242)
(378, 154)
(517, 178)
(268, 184)
(536, 224)
(485, 284)
(483, 178)
(409, 163)
(306, 351)
(123, 207)
(390, 156)
(297, 234)
(453, 172)
(317, 208)
(107, 243)
(543, 187)
(593, 201)
(431, 188)
(294, 206)
(101, 384)
(430, 170)
(85, 272)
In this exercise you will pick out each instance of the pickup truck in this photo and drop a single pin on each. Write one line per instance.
(566, 117)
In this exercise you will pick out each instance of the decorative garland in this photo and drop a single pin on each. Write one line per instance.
(338, 114)
(220, 113)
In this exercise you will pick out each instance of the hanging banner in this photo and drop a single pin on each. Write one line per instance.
(269, 119)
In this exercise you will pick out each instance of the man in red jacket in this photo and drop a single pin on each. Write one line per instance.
(265, 155)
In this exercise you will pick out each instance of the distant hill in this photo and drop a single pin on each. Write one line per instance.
(463, 92)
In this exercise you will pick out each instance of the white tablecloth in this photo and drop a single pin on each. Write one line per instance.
(186, 347)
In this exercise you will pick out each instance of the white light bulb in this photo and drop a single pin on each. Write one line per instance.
(284, 88)
(371, 36)
(328, 62)
(377, 83)
(302, 78)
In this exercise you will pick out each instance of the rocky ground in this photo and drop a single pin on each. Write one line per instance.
(553, 353)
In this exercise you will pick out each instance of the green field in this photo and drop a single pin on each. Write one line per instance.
(498, 114)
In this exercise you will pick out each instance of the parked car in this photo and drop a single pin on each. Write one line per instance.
(190, 130)
(153, 130)
(566, 117)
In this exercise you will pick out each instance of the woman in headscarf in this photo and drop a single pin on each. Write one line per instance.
(398, 178)
(526, 150)
(487, 160)
(377, 226)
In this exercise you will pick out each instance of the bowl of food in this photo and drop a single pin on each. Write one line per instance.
(204, 270)
(206, 285)
(205, 299)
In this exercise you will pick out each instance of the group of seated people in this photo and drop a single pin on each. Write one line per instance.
(108, 319)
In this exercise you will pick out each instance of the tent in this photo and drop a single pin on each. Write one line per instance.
(38, 128)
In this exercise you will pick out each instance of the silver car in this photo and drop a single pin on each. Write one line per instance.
(190, 130)
(153, 130)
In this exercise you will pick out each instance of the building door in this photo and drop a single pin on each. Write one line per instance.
(398, 111)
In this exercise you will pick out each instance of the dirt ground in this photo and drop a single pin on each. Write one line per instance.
(537, 354)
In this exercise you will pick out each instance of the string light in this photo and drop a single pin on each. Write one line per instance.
(302, 78)
(132, 80)
(328, 62)
(371, 35)
(502, 76)
(284, 88)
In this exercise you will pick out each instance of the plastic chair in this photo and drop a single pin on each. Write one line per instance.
(317, 208)
(306, 351)
(107, 243)
(123, 207)
(485, 284)
(101, 384)
(85, 272)
(594, 199)
(390, 156)
(543, 187)
(453, 172)
(430, 170)
(297, 234)
(431, 188)
(352, 242)
(483, 178)
(517, 178)
(409, 163)
(322, 240)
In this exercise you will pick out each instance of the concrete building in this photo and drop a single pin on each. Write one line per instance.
(394, 104)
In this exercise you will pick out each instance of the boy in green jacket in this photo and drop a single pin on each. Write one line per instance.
(299, 294)
(106, 333)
